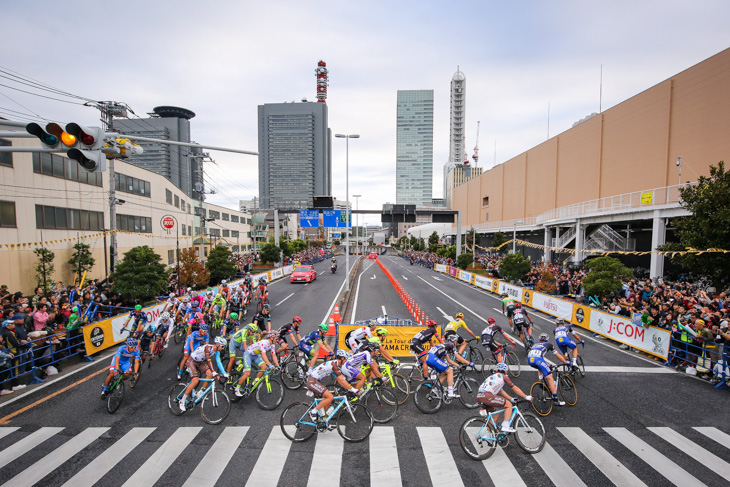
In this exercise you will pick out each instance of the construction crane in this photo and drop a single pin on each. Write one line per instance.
(476, 148)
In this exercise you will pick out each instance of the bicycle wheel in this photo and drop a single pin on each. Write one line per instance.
(173, 399)
(567, 389)
(514, 364)
(295, 422)
(354, 424)
(581, 366)
(114, 398)
(383, 404)
(293, 375)
(215, 407)
(402, 388)
(467, 391)
(478, 438)
(474, 355)
(179, 335)
(530, 433)
(488, 365)
(133, 381)
(542, 401)
(428, 397)
(269, 394)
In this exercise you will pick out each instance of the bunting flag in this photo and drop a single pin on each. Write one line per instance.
(91, 237)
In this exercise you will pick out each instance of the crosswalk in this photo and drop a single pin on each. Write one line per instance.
(247, 455)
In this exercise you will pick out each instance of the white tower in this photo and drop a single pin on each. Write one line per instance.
(457, 154)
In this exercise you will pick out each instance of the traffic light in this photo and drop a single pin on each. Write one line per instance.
(53, 136)
(90, 141)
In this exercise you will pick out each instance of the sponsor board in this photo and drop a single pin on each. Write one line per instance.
(440, 268)
(485, 283)
(103, 334)
(277, 274)
(652, 340)
(581, 315)
(513, 291)
(552, 305)
(465, 276)
(453, 271)
(397, 343)
(288, 269)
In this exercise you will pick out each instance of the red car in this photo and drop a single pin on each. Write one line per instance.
(303, 273)
(372, 255)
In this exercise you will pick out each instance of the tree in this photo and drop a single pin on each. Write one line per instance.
(546, 284)
(498, 239)
(433, 242)
(270, 253)
(220, 265)
(286, 247)
(470, 239)
(605, 276)
(44, 268)
(81, 260)
(707, 227)
(464, 260)
(413, 242)
(192, 272)
(140, 274)
(514, 266)
(298, 245)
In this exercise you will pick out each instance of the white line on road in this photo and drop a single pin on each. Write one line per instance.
(437, 278)
(26, 444)
(404, 277)
(270, 465)
(384, 467)
(556, 468)
(327, 458)
(337, 295)
(709, 459)
(441, 466)
(292, 294)
(158, 463)
(372, 277)
(501, 470)
(714, 434)
(443, 313)
(212, 465)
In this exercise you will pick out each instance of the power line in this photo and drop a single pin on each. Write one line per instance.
(28, 81)
(42, 96)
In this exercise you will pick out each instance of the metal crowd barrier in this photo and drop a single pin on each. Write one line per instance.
(706, 358)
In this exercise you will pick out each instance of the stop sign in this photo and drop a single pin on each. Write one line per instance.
(168, 222)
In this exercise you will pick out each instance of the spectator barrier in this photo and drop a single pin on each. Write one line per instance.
(700, 356)
(400, 333)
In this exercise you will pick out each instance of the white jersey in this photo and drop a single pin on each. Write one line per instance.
(322, 371)
(260, 347)
(165, 324)
(199, 353)
(362, 333)
(493, 384)
(359, 359)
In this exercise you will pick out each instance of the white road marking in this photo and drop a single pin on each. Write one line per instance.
(443, 313)
(372, 277)
(384, 467)
(383, 308)
(709, 459)
(6, 431)
(327, 458)
(437, 278)
(292, 294)
(501, 470)
(441, 465)
(271, 461)
(158, 463)
(715, 434)
(20, 447)
(556, 468)
(404, 277)
(337, 295)
(215, 461)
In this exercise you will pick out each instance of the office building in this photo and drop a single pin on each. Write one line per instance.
(456, 175)
(295, 154)
(414, 147)
(173, 162)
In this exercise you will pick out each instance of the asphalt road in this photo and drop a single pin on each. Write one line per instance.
(628, 428)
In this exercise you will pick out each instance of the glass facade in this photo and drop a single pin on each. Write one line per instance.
(414, 148)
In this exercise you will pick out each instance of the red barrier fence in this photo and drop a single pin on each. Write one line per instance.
(413, 307)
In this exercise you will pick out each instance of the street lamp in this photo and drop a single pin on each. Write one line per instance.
(679, 165)
(514, 236)
(357, 221)
(347, 199)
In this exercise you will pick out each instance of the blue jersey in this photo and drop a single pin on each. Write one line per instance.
(126, 356)
(195, 340)
(540, 349)
(562, 331)
(438, 350)
(137, 320)
(312, 338)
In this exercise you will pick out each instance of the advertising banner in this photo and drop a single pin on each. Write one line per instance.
(581, 315)
(440, 268)
(288, 269)
(398, 342)
(103, 334)
(514, 291)
(551, 305)
(465, 276)
(277, 274)
(453, 271)
(652, 340)
(485, 283)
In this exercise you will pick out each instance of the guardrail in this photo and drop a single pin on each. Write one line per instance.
(700, 357)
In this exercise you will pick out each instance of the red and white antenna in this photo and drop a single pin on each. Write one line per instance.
(322, 81)
(475, 157)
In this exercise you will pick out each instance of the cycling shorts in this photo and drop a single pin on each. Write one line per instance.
(161, 331)
(488, 342)
(436, 363)
(417, 348)
(234, 308)
(249, 358)
(520, 326)
(540, 364)
(234, 346)
(565, 343)
(124, 365)
(510, 311)
(350, 373)
(459, 338)
(144, 344)
(491, 401)
(307, 349)
(197, 369)
(315, 386)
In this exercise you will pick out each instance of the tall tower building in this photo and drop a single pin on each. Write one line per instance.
(173, 162)
(458, 114)
(414, 148)
(295, 154)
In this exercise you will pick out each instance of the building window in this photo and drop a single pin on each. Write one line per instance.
(190, 230)
(226, 233)
(128, 184)
(184, 228)
(177, 201)
(54, 165)
(486, 216)
(182, 205)
(225, 217)
(235, 233)
(234, 218)
(485, 201)
(7, 214)
(51, 217)
(214, 214)
(132, 223)
(6, 158)
(235, 248)
(170, 256)
(168, 196)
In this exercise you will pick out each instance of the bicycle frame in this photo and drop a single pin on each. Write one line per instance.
(491, 418)
(338, 402)
(197, 398)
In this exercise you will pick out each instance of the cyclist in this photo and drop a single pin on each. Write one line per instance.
(308, 343)
(256, 353)
(289, 329)
(262, 293)
(355, 338)
(239, 342)
(138, 319)
(182, 308)
(236, 303)
(263, 318)
(420, 339)
(352, 368)
(218, 307)
(165, 326)
(508, 305)
(488, 338)
(438, 359)
(521, 321)
(194, 340)
(172, 303)
(207, 301)
(452, 330)
(224, 290)
(562, 334)
(380, 334)
(146, 338)
(330, 367)
(230, 324)
(248, 283)
(200, 362)
(536, 359)
(122, 362)
(193, 311)
(491, 394)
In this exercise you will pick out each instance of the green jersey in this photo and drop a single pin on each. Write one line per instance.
(508, 301)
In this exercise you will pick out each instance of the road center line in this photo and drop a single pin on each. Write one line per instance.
(277, 304)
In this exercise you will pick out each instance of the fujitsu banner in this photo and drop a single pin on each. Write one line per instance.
(513, 291)
(483, 282)
(552, 306)
(650, 339)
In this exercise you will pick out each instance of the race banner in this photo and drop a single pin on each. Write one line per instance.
(551, 305)
(513, 291)
(106, 333)
(465, 276)
(277, 274)
(652, 340)
(453, 271)
(288, 269)
(440, 268)
(397, 343)
(483, 282)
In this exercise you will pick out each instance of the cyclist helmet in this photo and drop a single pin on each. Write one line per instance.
(224, 282)
(370, 346)
(234, 316)
(372, 323)
(324, 327)
(194, 294)
(505, 295)
(491, 320)
(138, 307)
(449, 347)
(189, 289)
(185, 299)
(199, 316)
(75, 309)
(274, 335)
(209, 292)
(559, 322)
(543, 337)
(131, 342)
(340, 353)
(172, 295)
(502, 367)
(151, 328)
(459, 316)
(518, 304)
(220, 341)
(296, 319)
(165, 316)
(204, 327)
(248, 273)
(380, 331)
(253, 327)
(431, 323)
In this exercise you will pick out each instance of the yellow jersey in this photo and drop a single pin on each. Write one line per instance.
(455, 325)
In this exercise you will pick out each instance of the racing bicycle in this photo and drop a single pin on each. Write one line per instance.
(214, 403)
(542, 398)
(508, 357)
(431, 394)
(352, 420)
(378, 398)
(269, 392)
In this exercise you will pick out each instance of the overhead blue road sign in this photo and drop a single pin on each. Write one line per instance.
(336, 235)
(309, 218)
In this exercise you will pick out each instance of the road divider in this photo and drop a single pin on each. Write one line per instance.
(413, 307)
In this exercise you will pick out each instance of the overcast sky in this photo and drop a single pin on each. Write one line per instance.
(222, 59)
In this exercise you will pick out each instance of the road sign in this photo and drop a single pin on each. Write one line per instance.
(309, 218)
(167, 222)
(334, 218)
(336, 235)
